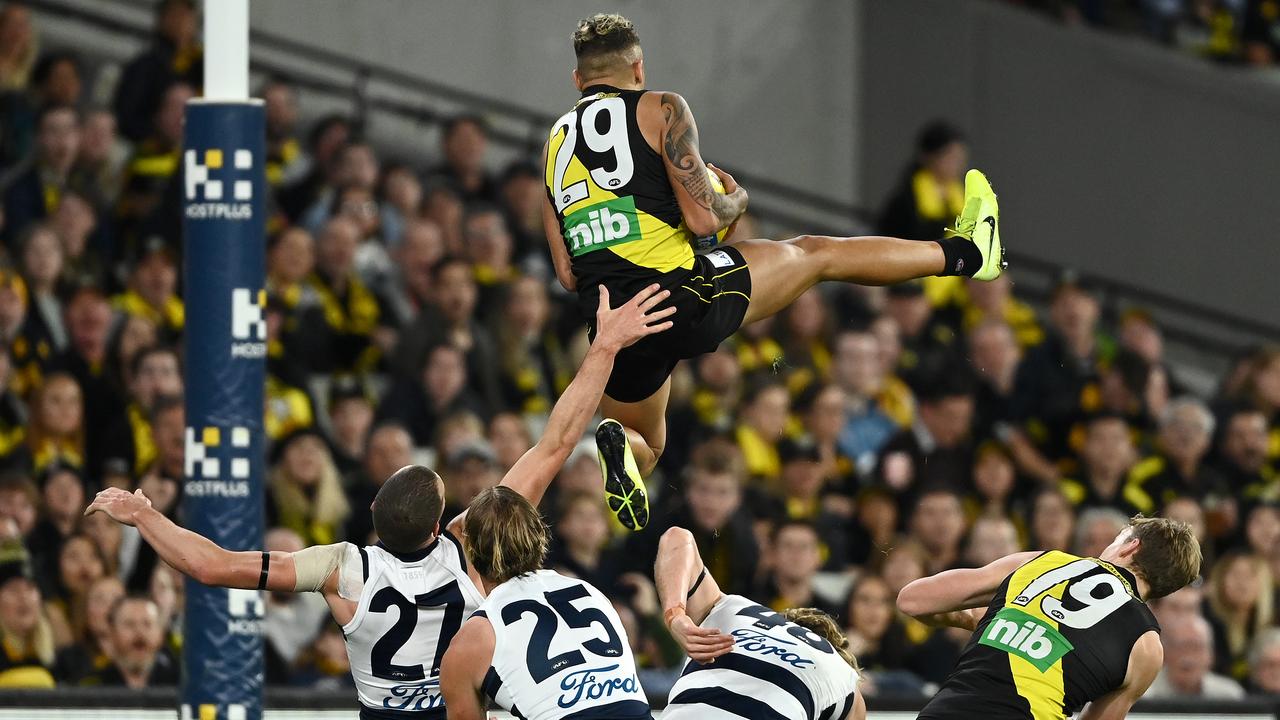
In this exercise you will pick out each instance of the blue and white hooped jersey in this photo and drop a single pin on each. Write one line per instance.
(409, 607)
(560, 652)
(777, 670)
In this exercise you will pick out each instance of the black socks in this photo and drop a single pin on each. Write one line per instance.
(962, 256)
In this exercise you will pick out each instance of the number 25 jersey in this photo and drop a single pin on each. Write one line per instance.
(560, 652)
(1056, 636)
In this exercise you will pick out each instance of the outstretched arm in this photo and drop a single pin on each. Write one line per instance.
(203, 560)
(679, 567)
(615, 329)
(947, 598)
(705, 211)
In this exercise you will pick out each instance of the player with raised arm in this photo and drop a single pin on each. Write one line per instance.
(1054, 633)
(745, 660)
(543, 646)
(400, 602)
(627, 195)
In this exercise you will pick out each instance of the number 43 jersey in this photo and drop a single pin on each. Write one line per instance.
(1056, 636)
(560, 652)
(409, 608)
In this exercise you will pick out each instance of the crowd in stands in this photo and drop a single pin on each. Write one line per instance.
(863, 438)
(1238, 32)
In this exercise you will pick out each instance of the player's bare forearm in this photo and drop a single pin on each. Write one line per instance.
(687, 169)
(201, 559)
(967, 619)
(954, 590)
(676, 568)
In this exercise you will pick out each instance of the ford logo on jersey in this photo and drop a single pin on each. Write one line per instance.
(588, 684)
(422, 696)
(754, 642)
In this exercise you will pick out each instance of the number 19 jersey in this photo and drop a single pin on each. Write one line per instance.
(409, 609)
(560, 652)
(618, 213)
(1057, 635)
(777, 670)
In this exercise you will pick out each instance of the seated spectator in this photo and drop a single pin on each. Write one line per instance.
(937, 523)
(1106, 460)
(994, 357)
(876, 636)
(523, 191)
(389, 447)
(1242, 456)
(288, 407)
(42, 270)
(1264, 663)
(1188, 655)
(355, 166)
(31, 190)
(875, 527)
(444, 207)
(154, 373)
(535, 367)
(13, 417)
(421, 248)
(1189, 511)
(463, 143)
(400, 197)
(878, 403)
(291, 258)
(930, 193)
(709, 411)
(93, 653)
(759, 354)
(102, 160)
(1177, 467)
(350, 417)
(993, 303)
(1051, 523)
(359, 204)
(471, 468)
(56, 434)
(324, 665)
(85, 237)
(348, 308)
(805, 332)
(28, 340)
(822, 412)
(137, 642)
(797, 556)
(712, 509)
(439, 389)
(930, 343)
(457, 430)
(762, 423)
(62, 503)
(1262, 534)
(1240, 603)
(1179, 605)
(990, 538)
(175, 55)
(305, 491)
(20, 503)
(166, 589)
(510, 438)
(20, 47)
(109, 538)
(284, 154)
(80, 564)
(1095, 529)
(149, 201)
(580, 544)
(27, 648)
(937, 449)
(167, 418)
(152, 291)
(328, 136)
(89, 326)
(491, 252)
(291, 620)
(993, 483)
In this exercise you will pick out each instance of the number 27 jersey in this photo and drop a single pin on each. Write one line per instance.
(1056, 636)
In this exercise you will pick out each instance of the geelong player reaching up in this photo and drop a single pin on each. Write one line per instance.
(543, 645)
(628, 192)
(745, 660)
(400, 602)
(1054, 633)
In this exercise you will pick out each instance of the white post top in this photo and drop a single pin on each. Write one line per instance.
(226, 49)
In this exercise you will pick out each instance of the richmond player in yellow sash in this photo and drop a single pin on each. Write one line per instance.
(628, 193)
(1054, 633)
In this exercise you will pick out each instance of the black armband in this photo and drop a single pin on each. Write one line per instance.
(266, 568)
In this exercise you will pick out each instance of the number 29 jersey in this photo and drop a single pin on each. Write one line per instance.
(560, 652)
(408, 610)
(777, 670)
(1056, 636)
(618, 214)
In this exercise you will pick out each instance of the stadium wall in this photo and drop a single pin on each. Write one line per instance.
(1110, 154)
(770, 81)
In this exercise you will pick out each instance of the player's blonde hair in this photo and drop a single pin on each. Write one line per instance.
(602, 39)
(824, 627)
(506, 535)
(1169, 556)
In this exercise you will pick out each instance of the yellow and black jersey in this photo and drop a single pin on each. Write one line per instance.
(618, 213)
(1057, 635)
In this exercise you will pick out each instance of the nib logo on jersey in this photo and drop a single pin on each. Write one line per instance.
(1026, 636)
(208, 181)
(612, 222)
(248, 327)
(205, 457)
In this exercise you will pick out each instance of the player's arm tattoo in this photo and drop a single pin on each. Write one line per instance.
(681, 149)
